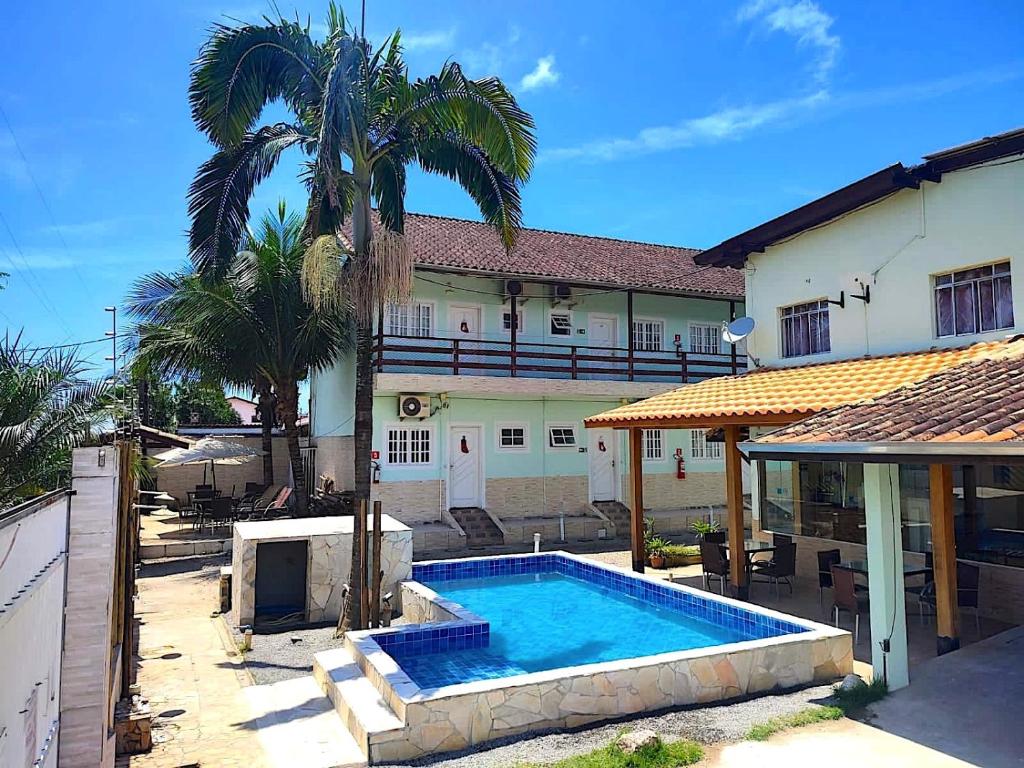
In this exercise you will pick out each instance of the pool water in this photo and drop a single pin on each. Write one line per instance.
(543, 621)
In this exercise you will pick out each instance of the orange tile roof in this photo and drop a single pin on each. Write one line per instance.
(976, 401)
(781, 395)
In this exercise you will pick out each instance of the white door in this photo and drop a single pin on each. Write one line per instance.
(464, 467)
(601, 453)
(603, 331)
(464, 322)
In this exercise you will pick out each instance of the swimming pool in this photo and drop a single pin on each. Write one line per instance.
(504, 645)
(558, 618)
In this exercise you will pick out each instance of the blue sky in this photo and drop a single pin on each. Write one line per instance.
(675, 122)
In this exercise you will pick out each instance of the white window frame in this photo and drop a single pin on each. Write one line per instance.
(432, 445)
(653, 445)
(572, 325)
(652, 322)
(389, 329)
(716, 334)
(549, 430)
(822, 308)
(975, 283)
(524, 448)
(702, 450)
(507, 311)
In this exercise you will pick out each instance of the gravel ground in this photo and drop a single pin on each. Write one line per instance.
(276, 657)
(707, 725)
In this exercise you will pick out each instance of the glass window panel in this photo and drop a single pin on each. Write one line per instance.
(944, 312)
(986, 305)
(1004, 303)
(964, 309)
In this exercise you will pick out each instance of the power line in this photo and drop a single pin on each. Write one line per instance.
(39, 191)
(29, 272)
(64, 346)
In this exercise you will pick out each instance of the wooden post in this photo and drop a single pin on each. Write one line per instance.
(629, 331)
(636, 498)
(364, 596)
(375, 572)
(734, 498)
(940, 477)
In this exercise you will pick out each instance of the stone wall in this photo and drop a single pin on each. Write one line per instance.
(412, 501)
(329, 561)
(698, 489)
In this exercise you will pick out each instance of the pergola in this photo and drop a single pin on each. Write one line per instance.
(776, 397)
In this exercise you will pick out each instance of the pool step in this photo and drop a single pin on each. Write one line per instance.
(297, 726)
(480, 529)
(357, 701)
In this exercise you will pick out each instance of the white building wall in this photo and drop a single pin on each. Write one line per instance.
(33, 558)
(974, 216)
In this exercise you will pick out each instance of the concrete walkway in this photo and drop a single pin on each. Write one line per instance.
(965, 703)
(194, 687)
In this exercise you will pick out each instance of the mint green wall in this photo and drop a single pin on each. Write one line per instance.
(539, 460)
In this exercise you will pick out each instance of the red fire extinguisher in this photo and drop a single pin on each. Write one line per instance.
(680, 465)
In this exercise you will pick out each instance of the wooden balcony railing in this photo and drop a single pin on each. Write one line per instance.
(480, 357)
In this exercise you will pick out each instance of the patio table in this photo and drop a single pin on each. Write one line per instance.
(861, 567)
(752, 547)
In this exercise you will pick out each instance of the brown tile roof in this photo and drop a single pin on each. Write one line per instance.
(459, 245)
(976, 401)
(779, 395)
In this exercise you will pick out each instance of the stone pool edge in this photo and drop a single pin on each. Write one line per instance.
(456, 716)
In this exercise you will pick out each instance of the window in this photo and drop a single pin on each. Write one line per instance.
(416, 319)
(653, 444)
(409, 446)
(805, 329)
(705, 339)
(506, 321)
(700, 448)
(973, 300)
(648, 335)
(512, 437)
(561, 324)
(562, 436)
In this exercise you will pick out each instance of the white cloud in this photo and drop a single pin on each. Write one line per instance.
(543, 74)
(422, 41)
(804, 20)
(723, 125)
(490, 58)
(86, 229)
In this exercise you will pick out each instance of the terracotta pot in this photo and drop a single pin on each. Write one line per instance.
(657, 561)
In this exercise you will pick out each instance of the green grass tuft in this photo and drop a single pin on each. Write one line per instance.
(665, 755)
(860, 697)
(807, 716)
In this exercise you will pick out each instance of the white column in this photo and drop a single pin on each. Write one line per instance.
(885, 573)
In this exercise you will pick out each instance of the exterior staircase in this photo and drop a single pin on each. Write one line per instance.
(480, 529)
(618, 513)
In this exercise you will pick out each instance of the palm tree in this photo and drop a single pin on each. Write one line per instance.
(250, 325)
(47, 407)
(360, 121)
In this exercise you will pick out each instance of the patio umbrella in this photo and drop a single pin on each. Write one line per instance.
(209, 449)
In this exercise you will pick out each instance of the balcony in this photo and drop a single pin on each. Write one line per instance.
(473, 357)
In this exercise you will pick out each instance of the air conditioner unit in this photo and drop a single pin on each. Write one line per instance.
(194, 417)
(513, 287)
(413, 406)
(561, 291)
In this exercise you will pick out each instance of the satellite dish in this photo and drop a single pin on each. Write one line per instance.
(737, 330)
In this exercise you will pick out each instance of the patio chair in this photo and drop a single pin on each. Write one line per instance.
(717, 537)
(253, 489)
(782, 567)
(254, 505)
(845, 598)
(714, 563)
(779, 539)
(826, 559)
(967, 592)
(278, 504)
(929, 581)
(219, 511)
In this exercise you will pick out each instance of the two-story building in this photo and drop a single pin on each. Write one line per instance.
(884, 308)
(483, 380)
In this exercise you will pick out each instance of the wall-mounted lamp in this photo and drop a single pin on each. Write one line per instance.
(842, 300)
(865, 296)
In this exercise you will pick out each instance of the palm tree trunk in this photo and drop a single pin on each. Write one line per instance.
(288, 404)
(266, 409)
(363, 426)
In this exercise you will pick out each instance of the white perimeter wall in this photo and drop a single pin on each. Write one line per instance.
(974, 216)
(32, 568)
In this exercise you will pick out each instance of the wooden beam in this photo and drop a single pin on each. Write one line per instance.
(734, 501)
(940, 479)
(636, 498)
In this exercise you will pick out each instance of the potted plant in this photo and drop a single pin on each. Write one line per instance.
(677, 555)
(655, 547)
(703, 527)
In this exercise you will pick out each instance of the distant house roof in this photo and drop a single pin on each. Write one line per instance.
(469, 247)
(241, 399)
(783, 395)
(734, 251)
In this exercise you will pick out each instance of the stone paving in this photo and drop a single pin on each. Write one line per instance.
(194, 687)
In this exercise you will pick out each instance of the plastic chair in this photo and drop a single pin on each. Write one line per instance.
(714, 563)
(845, 598)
